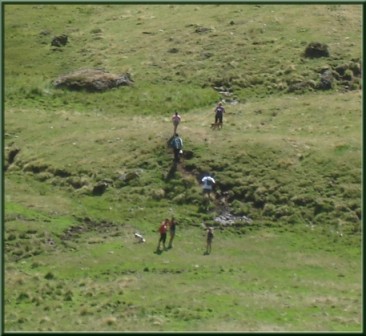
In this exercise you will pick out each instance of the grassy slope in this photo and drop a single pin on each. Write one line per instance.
(290, 162)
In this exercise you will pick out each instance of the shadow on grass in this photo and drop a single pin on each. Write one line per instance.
(160, 251)
(172, 170)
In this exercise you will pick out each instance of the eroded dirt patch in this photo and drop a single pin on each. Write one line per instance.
(87, 225)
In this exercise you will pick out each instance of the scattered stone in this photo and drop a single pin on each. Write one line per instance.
(201, 30)
(99, 189)
(59, 41)
(226, 218)
(301, 86)
(355, 67)
(129, 176)
(96, 31)
(60, 172)
(344, 70)
(49, 276)
(326, 81)
(224, 90)
(92, 80)
(231, 101)
(173, 50)
(316, 50)
(206, 54)
(44, 33)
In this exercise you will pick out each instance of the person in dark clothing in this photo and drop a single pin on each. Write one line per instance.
(172, 227)
(177, 145)
(219, 113)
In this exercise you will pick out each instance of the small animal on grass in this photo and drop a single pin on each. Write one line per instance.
(216, 126)
(139, 237)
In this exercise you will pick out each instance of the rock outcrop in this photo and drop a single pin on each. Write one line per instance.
(92, 80)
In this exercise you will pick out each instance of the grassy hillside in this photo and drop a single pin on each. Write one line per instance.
(84, 171)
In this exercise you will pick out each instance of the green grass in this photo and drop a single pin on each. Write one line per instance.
(240, 286)
(290, 162)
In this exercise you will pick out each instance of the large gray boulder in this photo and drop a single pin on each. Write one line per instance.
(92, 80)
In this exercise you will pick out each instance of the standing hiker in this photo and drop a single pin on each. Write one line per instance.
(219, 113)
(162, 230)
(177, 145)
(176, 120)
(210, 236)
(172, 227)
(208, 184)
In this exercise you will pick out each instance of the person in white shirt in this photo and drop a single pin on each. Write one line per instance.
(208, 183)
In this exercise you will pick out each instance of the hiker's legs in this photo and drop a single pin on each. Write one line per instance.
(163, 239)
(171, 239)
(207, 194)
(159, 242)
(175, 124)
(176, 155)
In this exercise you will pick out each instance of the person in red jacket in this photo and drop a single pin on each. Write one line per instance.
(163, 230)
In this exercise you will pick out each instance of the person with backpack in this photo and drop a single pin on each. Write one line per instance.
(219, 113)
(177, 145)
(208, 183)
(176, 120)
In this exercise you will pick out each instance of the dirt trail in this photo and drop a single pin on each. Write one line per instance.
(218, 199)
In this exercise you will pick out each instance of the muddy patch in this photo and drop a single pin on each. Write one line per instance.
(87, 225)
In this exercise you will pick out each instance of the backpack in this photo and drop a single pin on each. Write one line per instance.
(177, 143)
(208, 181)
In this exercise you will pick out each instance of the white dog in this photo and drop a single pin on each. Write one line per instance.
(140, 238)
